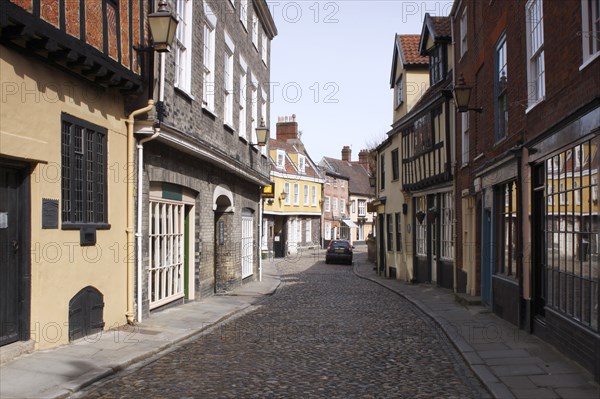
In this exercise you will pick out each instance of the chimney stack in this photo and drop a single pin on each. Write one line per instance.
(363, 159)
(287, 128)
(346, 154)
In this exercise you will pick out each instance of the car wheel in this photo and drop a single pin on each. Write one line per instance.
(327, 261)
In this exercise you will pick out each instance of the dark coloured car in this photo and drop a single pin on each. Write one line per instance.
(339, 251)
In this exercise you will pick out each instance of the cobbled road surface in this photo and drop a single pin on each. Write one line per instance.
(325, 333)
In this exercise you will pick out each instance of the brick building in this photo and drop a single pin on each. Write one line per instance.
(527, 176)
(70, 77)
(201, 170)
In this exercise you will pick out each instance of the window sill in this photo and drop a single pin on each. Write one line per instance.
(227, 127)
(532, 106)
(209, 112)
(464, 165)
(243, 139)
(589, 61)
(512, 279)
(78, 226)
(185, 94)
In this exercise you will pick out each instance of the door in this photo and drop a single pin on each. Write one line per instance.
(14, 227)
(86, 313)
(381, 241)
(539, 242)
(247, 244)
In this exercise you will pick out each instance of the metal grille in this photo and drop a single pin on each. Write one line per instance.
(247, 246)
(166, 253)
(66, 171)
(572, 229)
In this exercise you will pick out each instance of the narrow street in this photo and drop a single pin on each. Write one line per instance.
(324, 333)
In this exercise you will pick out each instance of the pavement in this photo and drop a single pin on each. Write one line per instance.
(62, 371)
(510, 362)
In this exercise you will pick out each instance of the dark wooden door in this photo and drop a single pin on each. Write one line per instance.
(11, 251)
(86, 313)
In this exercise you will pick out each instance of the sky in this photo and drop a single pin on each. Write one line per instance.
(330, 66)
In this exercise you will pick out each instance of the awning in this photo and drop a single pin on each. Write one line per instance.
(349, 223)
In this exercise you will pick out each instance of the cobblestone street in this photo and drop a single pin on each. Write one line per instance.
(324, 333)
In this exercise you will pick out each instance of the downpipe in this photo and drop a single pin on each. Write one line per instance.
(130, 212)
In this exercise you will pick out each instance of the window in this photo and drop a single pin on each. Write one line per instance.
(535, 52)
(296, 194)
(447, 226)
(255, 30)
(183, 46)
(436, 65)
(500, 85)
(254, 114)
(327, 180)
(264, 49)
(327, 204)
(301, 164)
(463, 32)
(398, 233)
(390, 232)
(591, 28)
(421, 227)
(464, 126)
(308, 231)
(335, 204)
(247, 250)
(399, 92)
(280, 159)
(395, 165)
(343, 205)
(353, 207)
(228, 80)
(572, 236)
(382, 173)
(342, 183)
(506, 257)
(327, 231)
(362, 208)
(286, 190)
(83, 184)
(244, 13)
(208, 88)
(306, 194)
(313, 192)
(243, 127)
(334, 182)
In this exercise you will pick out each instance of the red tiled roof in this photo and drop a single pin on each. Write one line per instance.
(409, 45)
(310, 169)
(441, 27)
(357, 175)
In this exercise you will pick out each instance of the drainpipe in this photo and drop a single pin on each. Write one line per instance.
(130, 186)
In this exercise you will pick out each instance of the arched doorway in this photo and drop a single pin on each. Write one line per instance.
(225, 243)
(86, 313)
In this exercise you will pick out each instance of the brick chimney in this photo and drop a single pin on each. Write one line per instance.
(287, 128)
(363, 159)
(346, 154)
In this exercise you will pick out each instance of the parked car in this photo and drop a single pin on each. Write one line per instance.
(339, 250)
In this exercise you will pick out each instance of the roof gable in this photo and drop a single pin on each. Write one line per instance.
(438, 29)
(406, 52)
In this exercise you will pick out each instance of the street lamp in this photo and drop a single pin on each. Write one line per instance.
(462, 95)
(372, 181)
(163, 26)
(262, 134)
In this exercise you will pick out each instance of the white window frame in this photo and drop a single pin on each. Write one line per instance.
(244, 13)
(208, 87)
(335, 204)
(590, 30)
(264, 49)
(536, 76)
(228, 81)
(301, 164)
(280, 159)
(335, 182)
(327, 204)
(362, 207)
(254, 109)
(343, 206)
(183, 46)
(255, 30)
(243, 118)
(306, 193)
(313, 190)
(263, 115)
(308, 231)
(447, 226)
(296, 194)
(327, 232)
(463, 32)
(399, 91)
(464, 127)
(247, 245)
(353, 207)
(286, 190)
(342, 183)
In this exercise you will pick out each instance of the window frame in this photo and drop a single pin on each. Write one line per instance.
(590, 20)
(390, 232)
(500, 89)
(463, 32)
(536, 76)
(286, 190)
(296, 194)
(228, 90)
(464, 127)
(398, 232)
(399, 91)
(362, 204)
(242, 101)
(183, 46)
(395, 164)
(306, 193)
(327, 203)
(99, 163)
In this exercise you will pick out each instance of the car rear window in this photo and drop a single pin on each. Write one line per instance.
(340, 244)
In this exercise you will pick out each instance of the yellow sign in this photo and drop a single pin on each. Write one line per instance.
(269, 191)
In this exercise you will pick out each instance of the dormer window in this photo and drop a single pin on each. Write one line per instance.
(280, 159)
(399, 92)
(301, 163)
(437, 69)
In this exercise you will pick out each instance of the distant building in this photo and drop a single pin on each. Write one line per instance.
(348, 182)
(292, 218)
